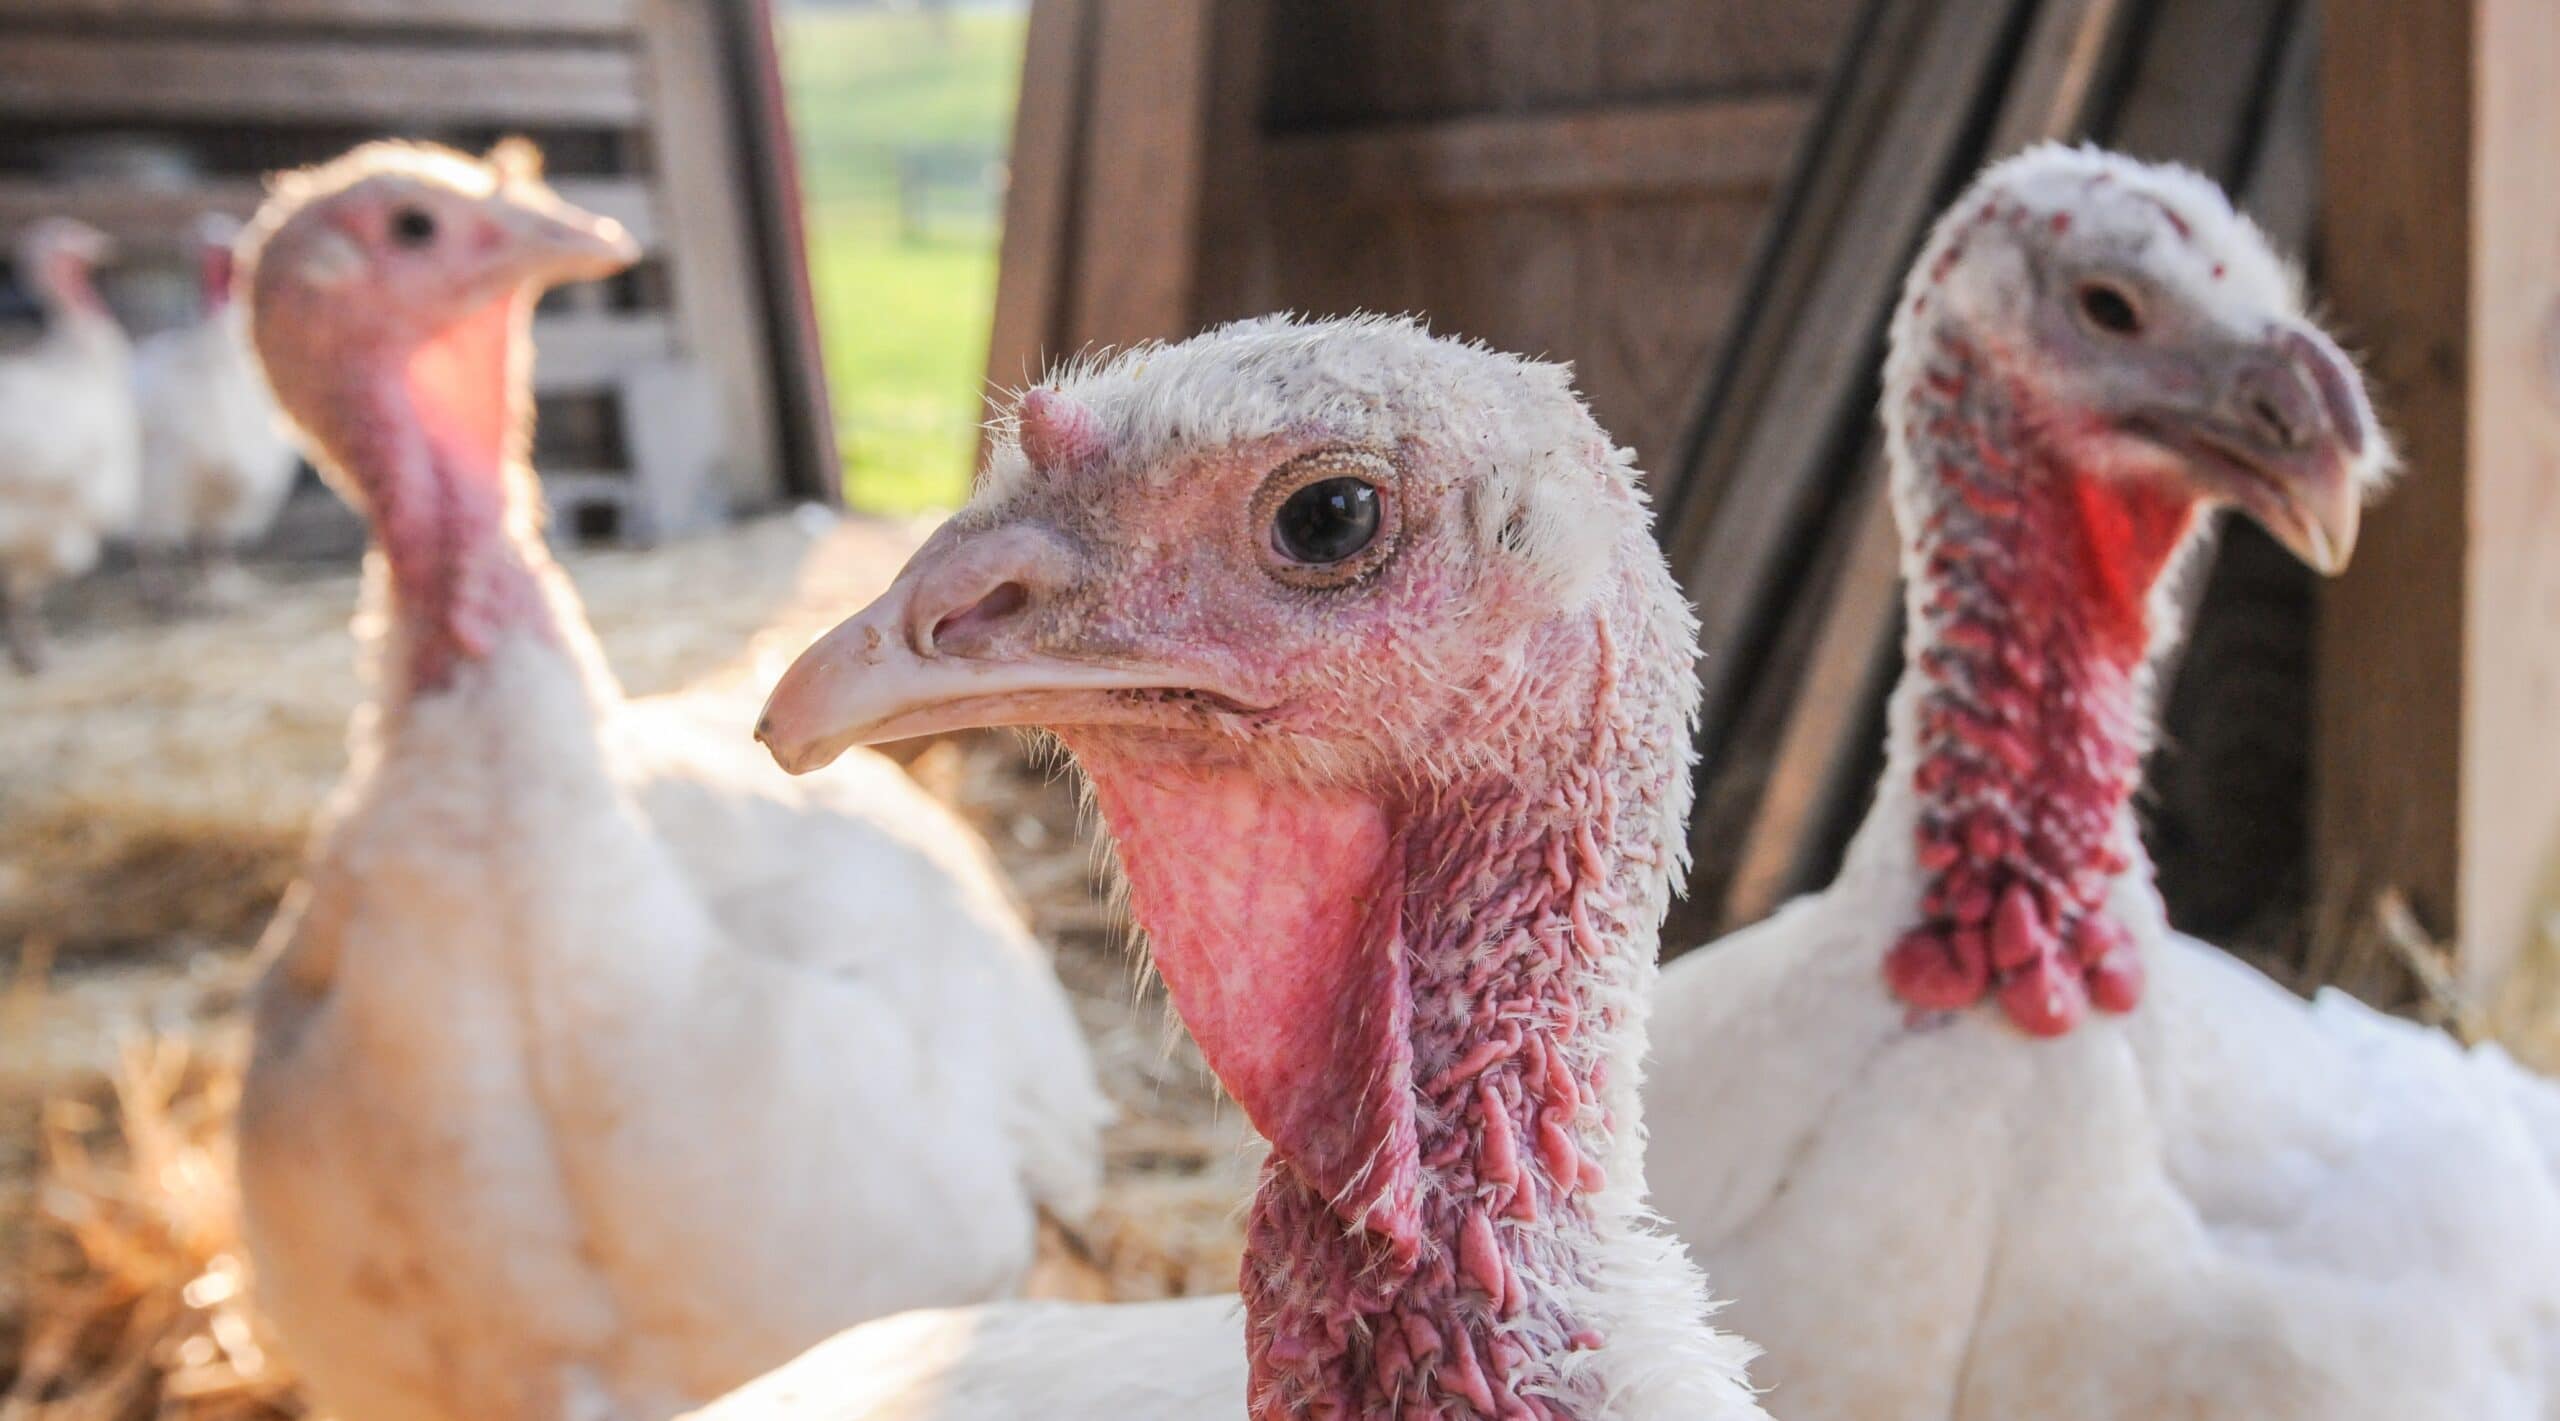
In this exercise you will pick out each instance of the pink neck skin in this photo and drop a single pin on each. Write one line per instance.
(67, 286)
(213, 277)
(1420, 1004)
(2034, 600)
(433, 437)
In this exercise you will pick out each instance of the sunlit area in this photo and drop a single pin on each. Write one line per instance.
(903, 115)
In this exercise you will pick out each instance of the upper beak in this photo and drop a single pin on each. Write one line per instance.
(953, 645)
(554, 243)
(2283, 435)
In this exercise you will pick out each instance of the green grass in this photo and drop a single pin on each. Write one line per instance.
(903, 316)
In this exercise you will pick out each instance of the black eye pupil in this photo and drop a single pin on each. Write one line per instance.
(413, 227)
(2109, 310)
(1327, 521)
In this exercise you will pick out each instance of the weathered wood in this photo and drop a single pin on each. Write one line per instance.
(565, 17)
(152, 216)
(1830, 709)
(1701, 146)
(1037, 255)
(695, 134)
(810, 465)
(582, 351)
(1144, 166)
(2439, 650)
(125, 76)
(1345, 63)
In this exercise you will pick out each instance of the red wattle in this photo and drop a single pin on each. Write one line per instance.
(2036, 597)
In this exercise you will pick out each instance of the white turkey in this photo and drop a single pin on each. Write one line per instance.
(1973, 1133)
(1383, 690)
(69, 463)
(216, 460)
(598, 1067)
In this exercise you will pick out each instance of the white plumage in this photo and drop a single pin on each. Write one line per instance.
(69, 462)
(216, 460)
(2225, 1203)
(600, 1067)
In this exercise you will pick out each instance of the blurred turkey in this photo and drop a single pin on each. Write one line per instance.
(599, 1067)
(1973, 1133)
(69, 463)
(216, 461)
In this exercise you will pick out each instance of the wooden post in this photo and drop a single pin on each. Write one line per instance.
(2438, 704)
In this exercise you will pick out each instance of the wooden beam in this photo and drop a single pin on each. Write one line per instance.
(1714, 145)
(127, 77)
(1037, 253)
(582, 351)
(154, 216)
(694, 137)
(2438, 766)
(557, 17)
(1144, 171)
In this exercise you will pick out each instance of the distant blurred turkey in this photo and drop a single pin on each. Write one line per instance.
(68, 459)
(599, 1067)
(216, 462)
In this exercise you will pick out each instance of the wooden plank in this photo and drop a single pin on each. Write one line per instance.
(557, 17)
(129, 77)
(582, 351)
(1144, 171)
(812, 468)
(1037, 253)
(1716, 144)
(2438, 773)
(154, 216)
(694, 135)
(1832, 696)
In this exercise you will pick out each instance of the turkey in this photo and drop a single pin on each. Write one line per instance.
(216, 462)
(598, 1067)
(1973, 1133)
(1382, 689)
(69, 466)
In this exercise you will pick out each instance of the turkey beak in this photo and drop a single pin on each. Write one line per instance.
(551, 243)
(962, 640)
(2284, 434)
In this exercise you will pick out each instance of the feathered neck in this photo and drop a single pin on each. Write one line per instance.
(431, 439)
(1452, 1222)
(2034, 605)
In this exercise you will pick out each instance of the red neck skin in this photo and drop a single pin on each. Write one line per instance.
(2034, 604)
(1421, 1004)
(68, 288)
(433, 436)
(213, 278)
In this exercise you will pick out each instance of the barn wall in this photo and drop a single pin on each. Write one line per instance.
(1583, 181)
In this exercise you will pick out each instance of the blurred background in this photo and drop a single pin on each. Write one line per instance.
(865, 219)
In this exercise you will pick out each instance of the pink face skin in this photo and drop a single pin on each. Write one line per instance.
(1217, 690)
(60, 257)
(389, 298)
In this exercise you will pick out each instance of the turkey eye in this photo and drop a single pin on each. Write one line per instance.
(1327, 521)
(413, 226)
(2109, 309)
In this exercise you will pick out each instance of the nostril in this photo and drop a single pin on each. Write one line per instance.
(957, 629)
(2271, 418)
